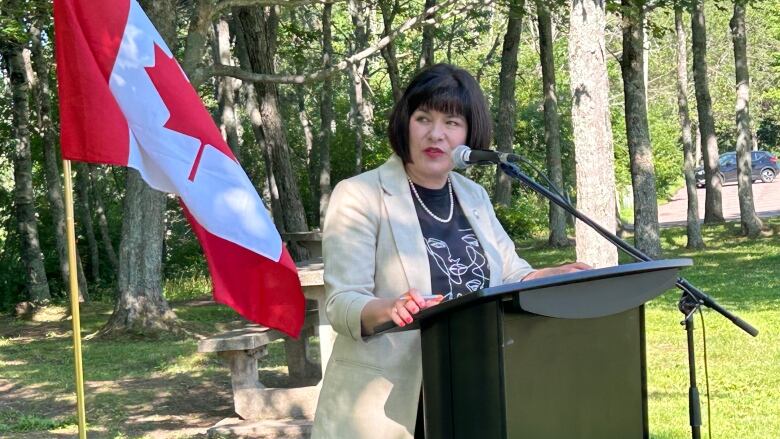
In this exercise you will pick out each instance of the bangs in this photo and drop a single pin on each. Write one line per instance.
(449, 98)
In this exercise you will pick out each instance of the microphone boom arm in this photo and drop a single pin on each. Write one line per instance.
(697, 295)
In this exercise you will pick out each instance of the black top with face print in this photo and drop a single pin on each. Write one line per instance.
(456, 258)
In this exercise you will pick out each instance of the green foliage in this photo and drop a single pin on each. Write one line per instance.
(667, 149)
(526, 217)
(187, 285)
(14, 421)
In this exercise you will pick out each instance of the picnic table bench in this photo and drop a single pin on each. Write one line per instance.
(241, 348)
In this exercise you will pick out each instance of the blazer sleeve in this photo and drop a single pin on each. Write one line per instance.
(349, 251)
(514, 268)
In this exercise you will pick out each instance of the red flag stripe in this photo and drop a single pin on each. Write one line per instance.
(256, 287)
(87, 40)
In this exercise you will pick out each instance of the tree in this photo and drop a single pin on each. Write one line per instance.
(42, 95)
(552, 128)
(693, 229)
(646, 234)
(505, 120)
(84, 210)
(256, 120)
(592, 130)
(226, 88)
(713, 205)
(140, 306)
(389, 11)
(259, 29)
(24, 198)
(361, 114)
(426, 48)
(100, 213)
(327, 117)
(751, 224)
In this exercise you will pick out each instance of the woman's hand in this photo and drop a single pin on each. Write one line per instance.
(561, 269)
(410, 303)
(400, 310)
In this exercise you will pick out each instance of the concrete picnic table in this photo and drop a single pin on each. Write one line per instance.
(310, 274)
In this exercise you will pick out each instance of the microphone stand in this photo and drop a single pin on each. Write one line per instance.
(692, 298)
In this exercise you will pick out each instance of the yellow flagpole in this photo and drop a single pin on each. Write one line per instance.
(74, 299)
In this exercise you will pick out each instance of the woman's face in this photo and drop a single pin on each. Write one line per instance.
(432, 137)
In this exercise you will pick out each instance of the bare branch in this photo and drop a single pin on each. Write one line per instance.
(226, 4)
(412, 23)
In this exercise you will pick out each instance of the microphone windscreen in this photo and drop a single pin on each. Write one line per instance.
(460, 156)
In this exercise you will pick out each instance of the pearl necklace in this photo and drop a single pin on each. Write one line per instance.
(425, 208)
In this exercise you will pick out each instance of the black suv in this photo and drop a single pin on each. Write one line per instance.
(765, 167)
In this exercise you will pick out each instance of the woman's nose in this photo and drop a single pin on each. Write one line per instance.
(437, 131)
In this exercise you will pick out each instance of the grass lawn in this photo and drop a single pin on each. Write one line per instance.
(164, 388)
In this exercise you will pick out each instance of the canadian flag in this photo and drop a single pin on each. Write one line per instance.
(124, 100)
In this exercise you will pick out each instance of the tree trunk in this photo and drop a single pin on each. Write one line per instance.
(312, 151)
(751, 224)
(389, 11)
(552, 135)
(693, 228)
(697, 145)
(260, 30)
(24, 197)
(327, 116)
(646, 234)
(84, 209)
(361, 112)
(592, 130)
(201, 12)
(505, 120)
(226, 89)
(54, 195)
(426, 48)
(100, 213)
(713, 205)
(141, 307)
(256, 120)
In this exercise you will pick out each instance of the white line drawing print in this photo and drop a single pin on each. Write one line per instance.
(454, 268)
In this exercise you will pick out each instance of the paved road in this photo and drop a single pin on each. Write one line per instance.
(766, 197)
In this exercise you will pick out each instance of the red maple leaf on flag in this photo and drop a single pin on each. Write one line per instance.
(188, 116)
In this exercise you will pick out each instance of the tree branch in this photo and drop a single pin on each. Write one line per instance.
(226, 4)
(412, 23)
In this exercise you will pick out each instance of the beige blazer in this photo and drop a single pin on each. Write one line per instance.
(373, 247)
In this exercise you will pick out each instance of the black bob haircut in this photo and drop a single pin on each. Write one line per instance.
(447, 89)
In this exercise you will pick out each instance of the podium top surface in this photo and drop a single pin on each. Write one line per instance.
(582, 294)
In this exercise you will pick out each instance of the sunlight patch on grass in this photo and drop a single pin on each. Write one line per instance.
(188, 364)
(50, 313)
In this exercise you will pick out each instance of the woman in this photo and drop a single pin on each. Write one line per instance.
(395, 235)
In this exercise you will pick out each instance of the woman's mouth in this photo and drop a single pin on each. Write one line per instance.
(433, 152)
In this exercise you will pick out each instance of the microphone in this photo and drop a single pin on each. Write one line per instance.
(463, 156)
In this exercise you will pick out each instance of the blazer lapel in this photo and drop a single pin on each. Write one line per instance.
(404, 223)
(478, 215)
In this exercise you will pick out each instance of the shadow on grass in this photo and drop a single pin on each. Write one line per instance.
(133, 385)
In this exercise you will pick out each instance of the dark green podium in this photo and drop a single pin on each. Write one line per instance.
(559, 358)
